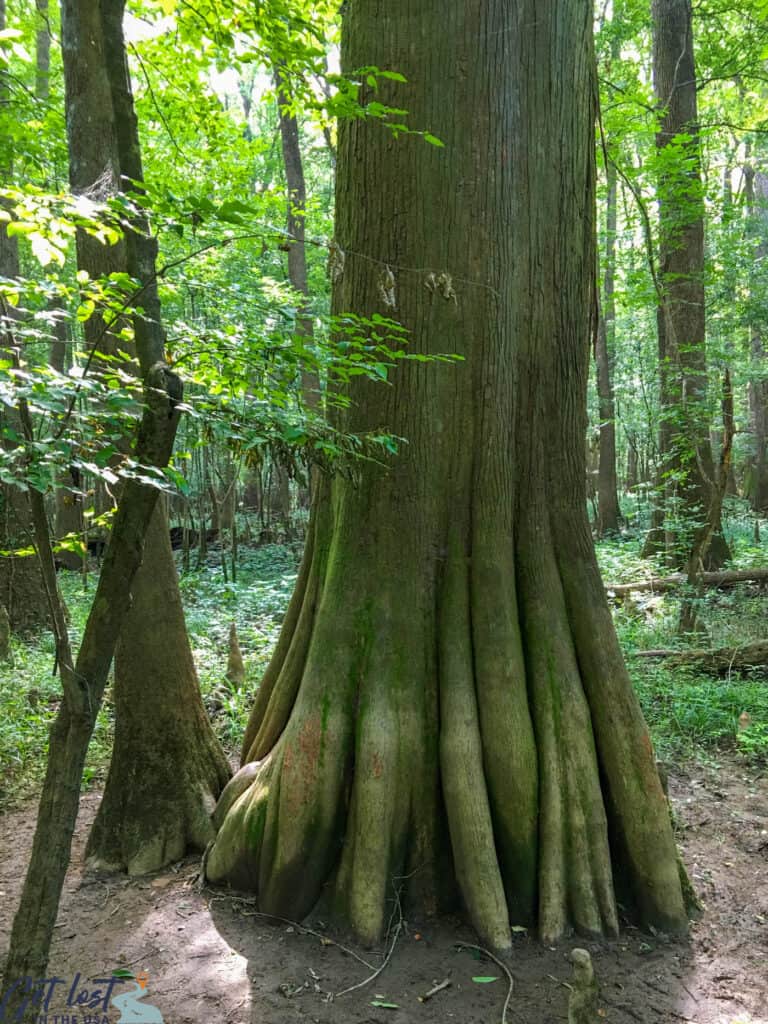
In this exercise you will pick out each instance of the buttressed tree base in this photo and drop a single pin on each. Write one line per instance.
(447, 709)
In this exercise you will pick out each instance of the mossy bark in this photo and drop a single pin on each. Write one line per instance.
(167, 769)
(447, 706)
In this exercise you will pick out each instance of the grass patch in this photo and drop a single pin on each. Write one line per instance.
(691, 714)
(30, 693)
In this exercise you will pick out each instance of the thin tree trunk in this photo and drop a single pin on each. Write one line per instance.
(42, 51)
(68, 492)
(703, 536)
(82, 43)
(609, 512)
(756, 193)
(296, 229)
(297, 200)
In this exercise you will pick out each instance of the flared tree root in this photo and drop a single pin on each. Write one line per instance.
(477, 738)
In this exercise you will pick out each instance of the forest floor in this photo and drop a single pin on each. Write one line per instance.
(210, 957)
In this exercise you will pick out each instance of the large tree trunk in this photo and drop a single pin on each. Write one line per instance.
(609, 512)
(447, 701)
(687, 472)
(165, 750)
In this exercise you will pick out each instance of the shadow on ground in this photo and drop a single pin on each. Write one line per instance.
(211, 958)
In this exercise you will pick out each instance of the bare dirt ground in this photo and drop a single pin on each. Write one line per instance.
(210, 958)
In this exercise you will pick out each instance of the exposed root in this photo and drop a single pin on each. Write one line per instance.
(575, 878)
(461, 764)
(277, 693)
(642, 839)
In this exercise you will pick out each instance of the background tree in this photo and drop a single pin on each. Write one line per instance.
(447, 694)
(687, 467)
(167, 766)
(756, 197)
(21, 584)
(609, 510)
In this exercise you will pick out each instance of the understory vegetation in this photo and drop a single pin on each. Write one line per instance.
(691, 714)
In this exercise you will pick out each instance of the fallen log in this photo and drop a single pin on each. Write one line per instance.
(720, 661)
(663, 584)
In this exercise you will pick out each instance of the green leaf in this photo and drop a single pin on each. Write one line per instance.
(385, 1006)
(19, 227)
(484, 980)
(433, 140)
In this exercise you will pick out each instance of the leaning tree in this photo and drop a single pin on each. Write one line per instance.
(447, 704)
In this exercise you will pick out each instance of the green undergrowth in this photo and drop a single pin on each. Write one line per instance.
(255, 601)
(692, 714)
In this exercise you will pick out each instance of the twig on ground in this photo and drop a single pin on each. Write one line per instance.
(109, 915)
(503, 966)
(150, 952)
(398, 928)
(693, 997)
(325, 939)
(437, 987)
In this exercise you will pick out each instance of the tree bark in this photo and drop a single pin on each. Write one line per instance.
(702, 538)
(297, 200)
(42, 51)
(447, 703)
(167, 768)
(83, 684)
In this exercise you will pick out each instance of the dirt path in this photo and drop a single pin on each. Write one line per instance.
(210, 958)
